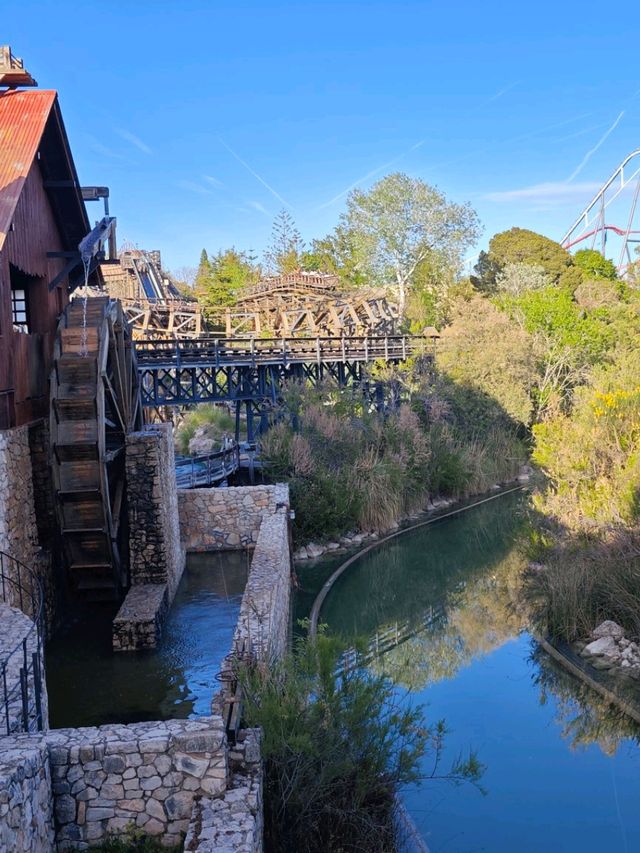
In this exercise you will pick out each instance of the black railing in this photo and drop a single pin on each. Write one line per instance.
(208, 469)
(22, 665)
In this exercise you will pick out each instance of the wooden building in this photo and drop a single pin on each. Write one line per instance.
(42, 221)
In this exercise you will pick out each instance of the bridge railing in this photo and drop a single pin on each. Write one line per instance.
(253, 351)
(206, 469)
(22, 665)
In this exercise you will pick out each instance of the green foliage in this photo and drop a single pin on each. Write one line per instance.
(484, 350)
(336, 254)
(221, 279)
(516, 279)
(594, 265)
(337, 749)
(592, 457)
(216, 420)
(134, 840)
(400, 223)
(348, 468)
(520, 246)
(284, 254)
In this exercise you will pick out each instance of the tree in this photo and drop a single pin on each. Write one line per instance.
(594, 265)
(203, 273)
(484, 349)
(335, 254)
(221, 279)
(283, 255)
(518, 278)
(400, 223)
(337, 748)
(521, 246)
(185, 277)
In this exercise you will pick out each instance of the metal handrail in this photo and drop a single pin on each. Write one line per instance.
(230, 457)
(19, 579)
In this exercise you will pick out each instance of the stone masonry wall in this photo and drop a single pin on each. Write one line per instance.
(18, 530)
(26, 797)
(230, 518)
(264, 612)
(233, 823)
(102, 780)
(156, 554)
(16, 631)
(45, 515)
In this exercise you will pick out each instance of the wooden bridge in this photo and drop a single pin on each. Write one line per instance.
(254, 371)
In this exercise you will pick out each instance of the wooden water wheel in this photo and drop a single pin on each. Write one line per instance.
(95, 402)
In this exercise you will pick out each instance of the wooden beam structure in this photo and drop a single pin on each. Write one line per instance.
(252, 373)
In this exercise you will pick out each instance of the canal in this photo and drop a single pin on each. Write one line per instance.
(562, 769)
(89, 685)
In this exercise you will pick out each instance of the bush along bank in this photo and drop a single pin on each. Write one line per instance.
(354, 474)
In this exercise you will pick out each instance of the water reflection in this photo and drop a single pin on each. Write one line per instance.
(562, 765)
(584, 716)
(89, 685)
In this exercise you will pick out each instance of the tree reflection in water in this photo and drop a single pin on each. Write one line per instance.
(584, 716)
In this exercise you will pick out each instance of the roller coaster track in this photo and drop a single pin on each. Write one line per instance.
(591, 224)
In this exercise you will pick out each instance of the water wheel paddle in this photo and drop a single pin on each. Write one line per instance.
(95, 402)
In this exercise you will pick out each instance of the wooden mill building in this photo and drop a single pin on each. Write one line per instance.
(42, 221)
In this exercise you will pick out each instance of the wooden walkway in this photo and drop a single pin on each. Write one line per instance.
(208, 351)
(253, 372)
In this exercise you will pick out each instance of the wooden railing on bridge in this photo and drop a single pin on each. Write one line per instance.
(252, 352)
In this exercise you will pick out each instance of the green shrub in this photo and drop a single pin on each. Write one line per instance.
(337, 749)
(207, 414)
(349, 467)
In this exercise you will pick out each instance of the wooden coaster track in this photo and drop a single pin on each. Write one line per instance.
(95, 402)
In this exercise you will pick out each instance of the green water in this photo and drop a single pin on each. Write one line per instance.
(88, 685)
(562, 768)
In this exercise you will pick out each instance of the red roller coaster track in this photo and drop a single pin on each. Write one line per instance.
(623, 189)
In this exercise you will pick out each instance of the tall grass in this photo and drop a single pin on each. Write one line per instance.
(584, 581)
(350, 468)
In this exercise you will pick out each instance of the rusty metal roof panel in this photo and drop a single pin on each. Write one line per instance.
(23, 118)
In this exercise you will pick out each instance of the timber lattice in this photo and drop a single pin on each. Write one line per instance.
(254, 371)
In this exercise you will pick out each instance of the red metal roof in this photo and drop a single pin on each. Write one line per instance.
(23, 117)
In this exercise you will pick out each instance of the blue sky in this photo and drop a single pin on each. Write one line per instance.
(206, 118)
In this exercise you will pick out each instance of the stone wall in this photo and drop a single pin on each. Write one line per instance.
(17, 632)
(156, 555)
(102, 780)
(212, 519)
(18, 529)
(26, 797)
(233, 823)
(263, 623)
(45, 514)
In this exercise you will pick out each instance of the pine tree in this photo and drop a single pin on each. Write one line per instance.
(203, 275)
(284, 253)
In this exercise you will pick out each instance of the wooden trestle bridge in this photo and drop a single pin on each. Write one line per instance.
(102, 377)
(254, 371)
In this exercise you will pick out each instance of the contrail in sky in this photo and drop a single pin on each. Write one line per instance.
(255, 174)
(593, 150)
(500, 93)
(370, 175)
